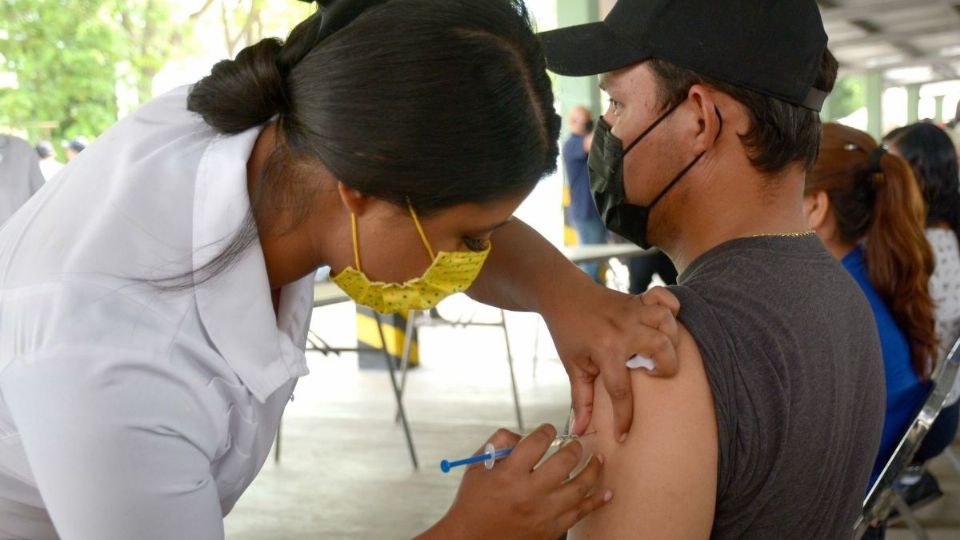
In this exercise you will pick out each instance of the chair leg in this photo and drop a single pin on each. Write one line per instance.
(405, 359)
(908, 516)
(276, 447)
(513, 377)
(536, 348)
(315, 342)
(397, 394)
(952, 456)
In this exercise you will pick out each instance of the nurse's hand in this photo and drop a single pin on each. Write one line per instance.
(596, 330)
(514, 501)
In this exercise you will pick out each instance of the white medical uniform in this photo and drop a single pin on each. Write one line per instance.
(127, 411)
(20, 175)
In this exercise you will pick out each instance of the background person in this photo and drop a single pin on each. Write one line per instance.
(49, 165)
(867, 209)
(933, 159)
(583, 211)
(20, 175)
(74, 146)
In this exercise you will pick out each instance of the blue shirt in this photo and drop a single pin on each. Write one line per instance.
(905, 391)
(582, 207)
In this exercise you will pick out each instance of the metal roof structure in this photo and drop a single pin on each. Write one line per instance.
(909, 41)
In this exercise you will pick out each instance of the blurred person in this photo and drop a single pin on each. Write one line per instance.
(771, 424)
(583, 211)
(953, 129)
(20, 175)
(49, 165)
(643, 268)
(933, 158)
(74, 146)
(865, 206)
(156, 300)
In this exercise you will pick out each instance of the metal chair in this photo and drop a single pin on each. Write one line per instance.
(883, 496)
(433, 318)
(325, 294)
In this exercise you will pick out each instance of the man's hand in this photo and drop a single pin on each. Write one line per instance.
(596, 330)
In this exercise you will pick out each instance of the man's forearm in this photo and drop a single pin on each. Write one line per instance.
(524, 271)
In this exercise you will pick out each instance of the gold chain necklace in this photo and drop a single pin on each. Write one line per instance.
(785, 235)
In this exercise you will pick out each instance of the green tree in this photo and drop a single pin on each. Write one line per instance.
(847, 96)
(152, 38)
(70, 57)
(64, 54)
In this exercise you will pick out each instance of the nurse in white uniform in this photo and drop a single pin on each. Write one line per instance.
(154, 301)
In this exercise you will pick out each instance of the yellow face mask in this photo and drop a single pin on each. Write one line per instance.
(450, 272)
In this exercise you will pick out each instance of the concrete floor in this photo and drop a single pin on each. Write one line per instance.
(346, 473)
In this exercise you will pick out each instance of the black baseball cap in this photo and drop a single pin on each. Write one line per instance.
(773, 47)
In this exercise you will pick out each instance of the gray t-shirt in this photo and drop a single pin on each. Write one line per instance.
(792, 356)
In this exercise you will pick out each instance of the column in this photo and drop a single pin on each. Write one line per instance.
(873, 90)
(938, 115)
(573, 91)
(913, 103)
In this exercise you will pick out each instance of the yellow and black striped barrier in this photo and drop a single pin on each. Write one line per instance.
(370, 346)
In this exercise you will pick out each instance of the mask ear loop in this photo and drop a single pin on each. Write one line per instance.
(423, 236)
(651, 127)
(690, 165)
(356, 242)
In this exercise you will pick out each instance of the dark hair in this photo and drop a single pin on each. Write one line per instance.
(933, 158)
(875, 199)
(780, 133)
(435, 102)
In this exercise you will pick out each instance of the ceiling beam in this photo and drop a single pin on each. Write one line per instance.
(886, 36)
(929, 60)
(861, 10)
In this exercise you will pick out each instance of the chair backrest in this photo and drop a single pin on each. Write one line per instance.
(879, 500)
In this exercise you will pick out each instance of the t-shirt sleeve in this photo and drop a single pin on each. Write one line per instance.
(699, 319)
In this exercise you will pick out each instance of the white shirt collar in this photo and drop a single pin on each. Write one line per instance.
(235, 306)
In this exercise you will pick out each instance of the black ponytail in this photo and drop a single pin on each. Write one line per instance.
(241, 93)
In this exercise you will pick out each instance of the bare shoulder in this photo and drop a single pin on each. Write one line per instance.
(664, 476)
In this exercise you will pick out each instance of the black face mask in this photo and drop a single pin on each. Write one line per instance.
(606, 181)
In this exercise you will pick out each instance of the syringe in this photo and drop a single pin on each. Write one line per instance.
(491, 455)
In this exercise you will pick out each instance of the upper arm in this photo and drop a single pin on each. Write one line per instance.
(117, 451)
(664, 476)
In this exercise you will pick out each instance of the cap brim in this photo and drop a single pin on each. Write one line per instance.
(587, 49)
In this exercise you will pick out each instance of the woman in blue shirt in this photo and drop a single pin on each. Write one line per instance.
(865, 205)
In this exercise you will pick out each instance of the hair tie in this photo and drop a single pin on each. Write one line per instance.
(875, 156)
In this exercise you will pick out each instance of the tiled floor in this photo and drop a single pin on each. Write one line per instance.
(345, 471)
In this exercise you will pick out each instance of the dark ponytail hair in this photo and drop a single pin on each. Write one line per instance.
(435, 102)
(875, 199)
(931, 154)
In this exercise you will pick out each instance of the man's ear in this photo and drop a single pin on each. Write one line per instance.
(707, 115)
(354, 201)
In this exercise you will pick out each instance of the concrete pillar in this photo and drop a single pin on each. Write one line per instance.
(938, 114)
(913, 103)
(873, 90)
(573, 91)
